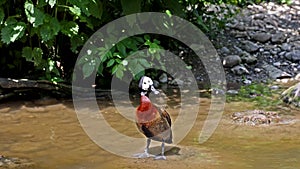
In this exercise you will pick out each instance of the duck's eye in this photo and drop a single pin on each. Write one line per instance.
(145, 83)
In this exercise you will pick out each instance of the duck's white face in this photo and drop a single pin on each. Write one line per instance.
(146, 84)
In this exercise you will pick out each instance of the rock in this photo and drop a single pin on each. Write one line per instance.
(286, 47)
(261, 37)
(15, 163)
(232, 92)
(257, 70)
(247, 82)
(225, 50)
(155, 83)
(277, 64)
(293, 56)
(248, 58)
(278, 38)
(239, 70)
(163, 78)
(250, 46)
(176, 82)
(256, 117)
(274, 87)
(275, 73)
(231, 60)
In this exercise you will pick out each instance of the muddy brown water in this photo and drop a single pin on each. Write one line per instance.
(51, 136)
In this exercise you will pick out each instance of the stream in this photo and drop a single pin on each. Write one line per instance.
(51, 136)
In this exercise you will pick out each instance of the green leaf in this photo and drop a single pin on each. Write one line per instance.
(119, 73)
(121, 48)
(2, 2)
(114, 69)
(75, 10)
(110, 63)
(77, 40)
(144, 62)
(131, 6)
(2, 15)
(176, 8)
(49, 29)
(37, 56)
(95, 9)
(51, 2)
(27, 53)
(69, 28)
(82, 5)
(34, 15)
(88, 69)
(12, 31)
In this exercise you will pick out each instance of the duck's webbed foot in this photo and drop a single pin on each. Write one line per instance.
(162, 156)
(145, 154)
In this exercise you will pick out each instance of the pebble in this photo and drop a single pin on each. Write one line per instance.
(231, 60)
(239, 70)
(265, 37)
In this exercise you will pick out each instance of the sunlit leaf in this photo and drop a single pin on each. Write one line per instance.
(12, 31)
(69, 28)
(51, 2)
(34, 15)
(75, 10)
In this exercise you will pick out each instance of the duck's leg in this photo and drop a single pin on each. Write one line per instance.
(145, 154)
(162, 156)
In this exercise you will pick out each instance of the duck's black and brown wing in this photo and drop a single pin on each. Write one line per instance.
(158, 129)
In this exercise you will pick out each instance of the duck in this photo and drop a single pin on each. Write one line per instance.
(152, 121)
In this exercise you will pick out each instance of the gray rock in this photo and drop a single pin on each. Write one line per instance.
(250, 46)
(239, 70)
(225, 50)
(278, 38)
(274, 87)
(275, 73)
(261, 37)
(248, 58)
(277, 64)
(293, 56)
(163, 78)
(155, 83)
(231, 60)
(259, 16)
(286, 47)
(257, 70)
(239, 26)
(232, 92)
(177, 82)
(247, 82)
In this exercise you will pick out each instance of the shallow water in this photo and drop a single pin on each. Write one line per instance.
(52, 137)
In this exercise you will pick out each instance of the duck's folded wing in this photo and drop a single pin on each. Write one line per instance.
(164, 114)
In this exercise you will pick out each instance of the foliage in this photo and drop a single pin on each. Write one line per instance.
(260, 94)
(42, 38)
